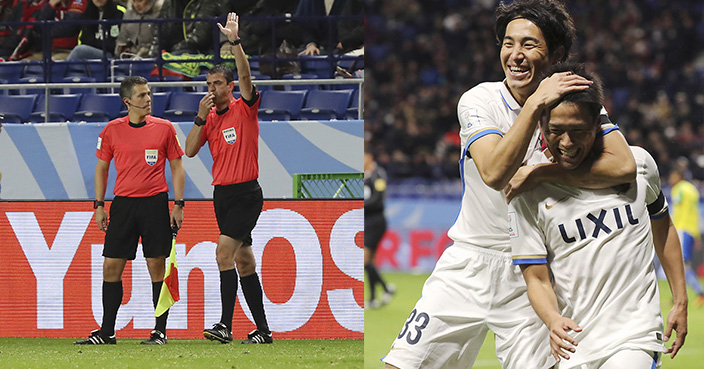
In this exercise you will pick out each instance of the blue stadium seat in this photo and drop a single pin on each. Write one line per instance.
(258, 77)
(281, 105)
(318, 65)
(300, 76)
(353, 110)
(322, 104)
(30, 80)
(98, 108)
(78, 80)
(11, 71)
(183, 106)
(351, 63)
(61, 108)
(160, 101)
(16, 108)
(33, 70)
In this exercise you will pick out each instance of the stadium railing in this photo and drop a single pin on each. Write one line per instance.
(328, 185)
(48, 87)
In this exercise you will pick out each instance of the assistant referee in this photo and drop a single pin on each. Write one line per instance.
(231, 128)
(140, 145)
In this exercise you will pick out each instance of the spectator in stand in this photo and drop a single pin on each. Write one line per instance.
(139, 39)
(316, 34)
(96, 40)
(17, 44)
(257, 36)
(189, 37)
(64, 35)
(350, 32)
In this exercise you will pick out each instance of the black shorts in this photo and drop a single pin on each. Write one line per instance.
(237, 208)
(132, 217)
(374, 228)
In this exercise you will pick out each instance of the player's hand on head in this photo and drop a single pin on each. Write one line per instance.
(561, 342)
(232, 27)
(551, 89)
(677, 321)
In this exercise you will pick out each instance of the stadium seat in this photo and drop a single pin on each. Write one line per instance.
(159, 102)
(61, 108)
(11, 71)
(78, 80)
(183, 106)
(300, 76)
(98, 108)
(30, 80)
(318, 65)
(175, 89)
(16, 108)
(326, 105)
(353, 110)
(281, 105)
(259, 77)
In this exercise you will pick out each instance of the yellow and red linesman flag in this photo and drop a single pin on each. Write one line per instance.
(169, 289)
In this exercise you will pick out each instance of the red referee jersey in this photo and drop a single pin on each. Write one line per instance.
(140, 154)
(233, 138)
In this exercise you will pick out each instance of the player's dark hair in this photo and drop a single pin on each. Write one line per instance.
(550, 16)
(225, 70)
(593, 97)
(128, 84)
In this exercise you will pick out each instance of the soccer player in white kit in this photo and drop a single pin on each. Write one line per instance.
(586, 255)
(474, 286)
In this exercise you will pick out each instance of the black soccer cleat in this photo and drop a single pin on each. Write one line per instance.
(156, 338)
(219, 332)
(257, 337)
(96, 339)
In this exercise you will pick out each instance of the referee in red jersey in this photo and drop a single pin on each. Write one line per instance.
(140, 145)
(231, 128)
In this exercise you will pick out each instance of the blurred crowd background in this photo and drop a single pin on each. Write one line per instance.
(423, 54)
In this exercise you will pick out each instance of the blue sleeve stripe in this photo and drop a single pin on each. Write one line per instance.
(480, 134)
(609, 129)
(529, 261)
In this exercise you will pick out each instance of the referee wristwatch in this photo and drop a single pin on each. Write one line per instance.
(97, 203)
(235, 43)
(181, 203)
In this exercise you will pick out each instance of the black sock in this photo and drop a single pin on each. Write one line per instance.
(252, 289)
(161, 320)
(228, 294)
(112, 298)
(374, 278)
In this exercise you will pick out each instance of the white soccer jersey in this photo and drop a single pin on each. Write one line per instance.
(599, 248)
(488, 108)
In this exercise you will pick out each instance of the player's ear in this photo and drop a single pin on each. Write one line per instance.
(558, 55)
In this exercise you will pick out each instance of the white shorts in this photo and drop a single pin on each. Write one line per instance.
(627, 358)
(471, 291)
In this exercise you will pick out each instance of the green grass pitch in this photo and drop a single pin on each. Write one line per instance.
(50, 353)
(382, 325)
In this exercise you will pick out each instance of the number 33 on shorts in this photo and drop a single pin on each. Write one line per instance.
(413, 329)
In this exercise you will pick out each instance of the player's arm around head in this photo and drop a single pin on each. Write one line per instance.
(610, 164)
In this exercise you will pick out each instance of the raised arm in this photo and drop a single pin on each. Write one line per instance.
(231, 31)
(669, 251)
(542, 298)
